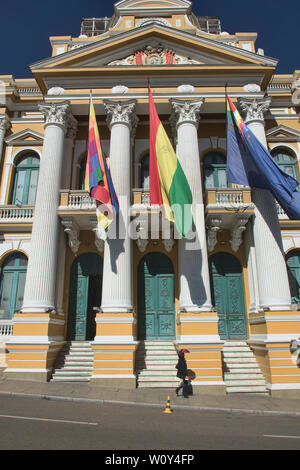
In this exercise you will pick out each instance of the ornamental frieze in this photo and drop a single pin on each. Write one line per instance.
(154, 55)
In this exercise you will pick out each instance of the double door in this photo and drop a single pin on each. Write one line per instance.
(228, 295)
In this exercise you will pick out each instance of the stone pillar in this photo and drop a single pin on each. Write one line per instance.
(195, 293)
(273, 284)
(4, 127)
(117, 275)
(39, 295)
(197, 324)
(115, 341)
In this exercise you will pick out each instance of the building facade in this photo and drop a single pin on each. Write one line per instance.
(236, 283)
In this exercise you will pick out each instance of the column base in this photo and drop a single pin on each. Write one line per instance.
(34, 346)
(114, 349)
(198, 333)
(271, 333)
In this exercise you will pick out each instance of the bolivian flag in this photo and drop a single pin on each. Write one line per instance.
(168, 184)
(98, 180)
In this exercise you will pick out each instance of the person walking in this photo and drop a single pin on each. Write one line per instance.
(181, 373)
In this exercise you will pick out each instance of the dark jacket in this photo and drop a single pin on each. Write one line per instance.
(181, 367)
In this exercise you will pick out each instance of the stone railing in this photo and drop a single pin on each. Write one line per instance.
(228, 197)
(141, 197)
(15, 214)
(76, 200)
(6, 328)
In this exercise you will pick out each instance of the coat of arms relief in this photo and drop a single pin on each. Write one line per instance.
(154, 55)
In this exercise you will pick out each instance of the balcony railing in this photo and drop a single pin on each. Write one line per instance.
(228, 197)
(15, 214)
(6, 329)
(76, 200)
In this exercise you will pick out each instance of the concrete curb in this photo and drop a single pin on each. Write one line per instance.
(153, 405)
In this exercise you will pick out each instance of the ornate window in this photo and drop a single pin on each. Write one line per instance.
(26, 179)
(214, 165)
(286, 161)
(12, 283)
(145, 183)
(293, 268)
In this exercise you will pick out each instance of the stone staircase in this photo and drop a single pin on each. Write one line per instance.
(155, 365)
(240, 369)
(74, 363)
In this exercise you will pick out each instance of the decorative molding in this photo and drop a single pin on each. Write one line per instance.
(121, 112)
(185, 111)
(212, 232)
(144, 21)
(99, 243)
(254, 109)
(154, 55)
(55, 113)
(72, 230)
(169, 244)
(4, 123)
(142, 244)
(237, 231)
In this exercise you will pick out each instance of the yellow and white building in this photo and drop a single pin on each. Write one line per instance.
(234, 288)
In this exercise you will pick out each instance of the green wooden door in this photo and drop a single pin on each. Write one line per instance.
(293, 268)
(228, 295)
(12, 284)
(85, 293)
(156, 318)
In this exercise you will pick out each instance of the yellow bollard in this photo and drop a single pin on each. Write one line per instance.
(168, 408)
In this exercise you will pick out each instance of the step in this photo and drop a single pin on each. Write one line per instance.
(245, 354)
(242, 376)
(253, 389)
(158, 385)
(236, 349)
(244, 383)
(235, 343)
(154, 372)
(70, 379)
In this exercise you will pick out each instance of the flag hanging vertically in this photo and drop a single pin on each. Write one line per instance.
(98, 180)
(250, 164)
(168, 184)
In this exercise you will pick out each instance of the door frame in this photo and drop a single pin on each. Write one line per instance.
(141, 329)
(89, 262)
(225, 300)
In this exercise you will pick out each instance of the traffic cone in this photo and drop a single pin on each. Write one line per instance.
(168, 408)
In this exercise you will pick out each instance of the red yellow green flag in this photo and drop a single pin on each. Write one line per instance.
(168, 184)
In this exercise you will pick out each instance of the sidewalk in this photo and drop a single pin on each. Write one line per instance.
(85, 392)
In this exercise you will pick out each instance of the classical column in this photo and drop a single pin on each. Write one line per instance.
(195, 293)
(39, 295)
(273, 284)
(4, 126)
(117, 266)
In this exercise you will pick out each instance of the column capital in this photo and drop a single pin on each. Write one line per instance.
(184, 111)
(254, 109)
(56, 113)
(121, 112)
(4, 123)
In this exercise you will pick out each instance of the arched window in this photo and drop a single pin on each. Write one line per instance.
(214, 165)
(145, 183)
(26, 179)
(293, 268)
(82, 173)
(286, 161)
(12, 283)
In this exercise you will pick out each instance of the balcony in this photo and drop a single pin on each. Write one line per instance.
(11, 217)
(227, 209)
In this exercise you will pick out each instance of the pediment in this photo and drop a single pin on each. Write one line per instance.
(25, 137)
(282, 133)
(126, 6)
(119, 47)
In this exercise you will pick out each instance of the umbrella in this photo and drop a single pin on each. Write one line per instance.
(183, 351)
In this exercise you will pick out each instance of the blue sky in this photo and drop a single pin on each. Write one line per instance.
(27, 25)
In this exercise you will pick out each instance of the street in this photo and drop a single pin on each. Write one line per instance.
(29, 423)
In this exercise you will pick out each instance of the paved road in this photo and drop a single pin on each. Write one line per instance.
(28, 423)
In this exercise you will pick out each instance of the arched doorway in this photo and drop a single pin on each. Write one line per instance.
(228, 295)
(293, 269)
(156, 314)
(85, 293)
